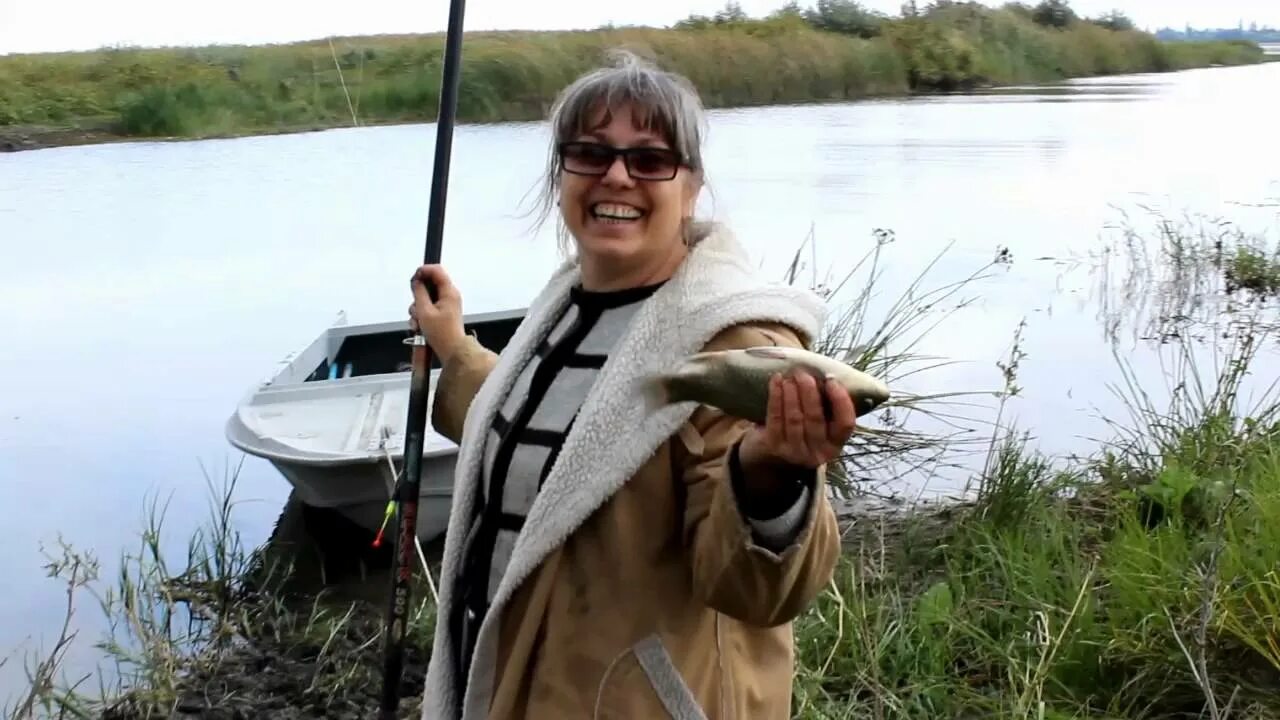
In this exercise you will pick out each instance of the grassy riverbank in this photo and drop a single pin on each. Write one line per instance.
(791, 56)
(1139, 581)
(1143, 583)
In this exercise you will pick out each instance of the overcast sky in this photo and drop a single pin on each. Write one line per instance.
(45, 25)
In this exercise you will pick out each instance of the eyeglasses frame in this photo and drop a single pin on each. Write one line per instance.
(625, 154)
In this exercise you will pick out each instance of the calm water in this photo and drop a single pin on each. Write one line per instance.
(145, 286)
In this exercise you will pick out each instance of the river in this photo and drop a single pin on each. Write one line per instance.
(146, 285)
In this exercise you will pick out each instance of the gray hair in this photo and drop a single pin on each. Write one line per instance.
(664, 102)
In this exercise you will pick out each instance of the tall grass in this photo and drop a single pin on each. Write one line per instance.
(1060, 593)
(504, 76)
(913, 437)
(229, 630)
(964, 44)
(515, 75)
(1195, 275)
(1141, 581)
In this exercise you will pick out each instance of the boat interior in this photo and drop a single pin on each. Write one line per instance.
(381, 349)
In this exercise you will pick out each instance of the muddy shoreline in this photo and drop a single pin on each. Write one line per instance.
(23, 138)
(17, 139)
(283, 673)
(311, 647)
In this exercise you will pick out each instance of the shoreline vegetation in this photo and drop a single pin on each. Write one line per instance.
(833, 51)
(1139, 581)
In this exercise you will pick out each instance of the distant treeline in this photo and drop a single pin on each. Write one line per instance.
(834, 50)
(1252, 34)
(852, 18)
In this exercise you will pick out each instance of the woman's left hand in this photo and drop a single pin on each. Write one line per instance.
(796, 430)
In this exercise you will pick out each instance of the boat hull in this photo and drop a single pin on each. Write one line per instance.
(331, 488)
(331, 422)
(359, 490)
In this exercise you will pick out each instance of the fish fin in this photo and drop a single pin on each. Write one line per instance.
(766, 352)
(655, 394)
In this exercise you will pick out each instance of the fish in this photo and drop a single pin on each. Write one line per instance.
(737, 381)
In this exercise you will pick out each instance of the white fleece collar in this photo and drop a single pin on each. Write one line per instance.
(714, 289)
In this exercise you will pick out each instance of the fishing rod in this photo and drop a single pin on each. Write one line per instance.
(406, 492)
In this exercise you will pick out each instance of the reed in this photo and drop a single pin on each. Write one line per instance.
(914, 436)
(508, 76)
(1140, 583)
(230, 631)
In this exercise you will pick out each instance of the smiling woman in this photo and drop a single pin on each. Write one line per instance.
(610, 208)
(605, 559)
(620, 212)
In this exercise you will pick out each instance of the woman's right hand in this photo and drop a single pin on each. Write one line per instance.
(440, 322)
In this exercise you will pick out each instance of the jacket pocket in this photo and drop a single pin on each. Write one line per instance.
(648, 658)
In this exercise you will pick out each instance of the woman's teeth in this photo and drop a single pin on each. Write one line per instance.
(615, 213)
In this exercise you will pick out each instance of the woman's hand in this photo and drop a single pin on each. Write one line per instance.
(796, 430)
(440, 322)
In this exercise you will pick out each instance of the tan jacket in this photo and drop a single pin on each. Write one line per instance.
(641, 597)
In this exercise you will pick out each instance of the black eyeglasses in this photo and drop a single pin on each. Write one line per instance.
(642, 163)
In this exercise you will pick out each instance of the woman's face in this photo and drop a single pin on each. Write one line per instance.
(617, 218)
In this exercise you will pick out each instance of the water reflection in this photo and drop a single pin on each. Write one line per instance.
(1102, 90)
(1161, 279)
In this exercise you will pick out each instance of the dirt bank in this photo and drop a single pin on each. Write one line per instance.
(15, 138)
(311, 647)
